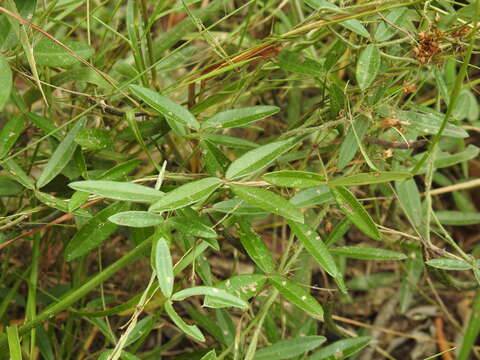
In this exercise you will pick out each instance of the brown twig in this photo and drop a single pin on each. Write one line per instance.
(59, 220)
(442, 342)
(393, 332)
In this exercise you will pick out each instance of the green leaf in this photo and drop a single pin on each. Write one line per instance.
(315, 247)
(297, 63)
(288, 349)
(225, 140)
(297, 295)
(311, 197)
(334, 54)
(94, 232)
(341, 349)
(409, 198)
(349, 146)
(472, 329)
(137, 219)
(58, 203)
(429, 124)
(238, 207)
(120, 171)
(94, 139)
(352, 24)
(141, 329)
(449, 264)
(17, 173)
(243, 286)
(79, 75)
(14, 343)
(269, 201)
(367, 253)
(337, 99)
(77, 199)
(186, 194)
(106, 355)
(10, 132)
(46, 125)
(117, 190)
(48, 53)
(395, 17)
(219, 295)
(458, 218)
(368, 178)
(368, 66)
(190, 330)
(211, 355)
(6, 81)
(163, 266)
(9, 187)
(259, 158)
(338, 232)
(192, 226)
(355, 212)
(443, 159)
(239, 117)
(173, 113)
(255, 247)
(61, 156)
(215, 160)
(294, 179)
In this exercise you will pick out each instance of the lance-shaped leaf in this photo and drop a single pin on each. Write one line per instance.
(458, 218)
(51, 54)
(244, 286)
(94, 232)
(163, 266)
(239, 117)
(259, 158)
(142, 328)
(6, 81)
(269, 201)
(289, 349)
(172, 112)
(219, 295)
(192, 226)
(368, 178)
(429, 123)
(236, 206)
(355, 212)
(61, 156)
(225, 140)
(294, 179)
(186, 194)
(449, 264)
(367, 253)
(255, 247)
(137, 219)
(117, 190)
(395, 18)
(17, 173)
(315, 246)
(190, 330)
(352, 24)
(368, 66)
(211, 355)
(341, 349)
(10, 133)
(311, 197)
(296, 294)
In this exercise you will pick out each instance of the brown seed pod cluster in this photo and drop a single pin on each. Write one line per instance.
(428, 45)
